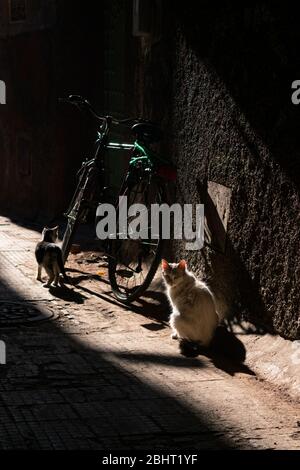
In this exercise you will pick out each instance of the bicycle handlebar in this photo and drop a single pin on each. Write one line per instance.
(80, 102)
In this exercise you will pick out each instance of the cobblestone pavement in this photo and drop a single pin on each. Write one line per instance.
(98, 375)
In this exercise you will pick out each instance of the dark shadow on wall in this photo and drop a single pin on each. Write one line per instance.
(228, 276)
(251, 47)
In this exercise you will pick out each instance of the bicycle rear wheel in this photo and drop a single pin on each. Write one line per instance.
(134, 262)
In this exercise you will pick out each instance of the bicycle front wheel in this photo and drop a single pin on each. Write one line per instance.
(77, 212)
(133, 262)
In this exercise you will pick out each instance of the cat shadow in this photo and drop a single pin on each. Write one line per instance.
(67, 294)
(226, 352)
(168, 360)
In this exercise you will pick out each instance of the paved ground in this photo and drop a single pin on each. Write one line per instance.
(102, 376)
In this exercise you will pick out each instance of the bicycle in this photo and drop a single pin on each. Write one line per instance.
(132, 263)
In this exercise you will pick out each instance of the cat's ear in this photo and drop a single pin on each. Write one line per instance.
(164, 264)
(182, 264)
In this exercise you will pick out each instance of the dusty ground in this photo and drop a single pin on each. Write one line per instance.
(99, 375)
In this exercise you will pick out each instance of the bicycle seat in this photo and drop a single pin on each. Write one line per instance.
(147, 132)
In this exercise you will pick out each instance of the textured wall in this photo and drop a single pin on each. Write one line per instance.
(233, 123)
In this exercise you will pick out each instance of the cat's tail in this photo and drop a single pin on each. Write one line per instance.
(190, 348)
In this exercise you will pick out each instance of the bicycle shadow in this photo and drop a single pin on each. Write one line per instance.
(67, 294)
(157, 310)
(85, 276)
(76, 280)
(154, 305)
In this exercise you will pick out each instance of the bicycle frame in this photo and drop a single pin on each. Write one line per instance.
(140, 152)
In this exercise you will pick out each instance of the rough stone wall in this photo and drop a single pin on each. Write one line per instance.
(233, 123)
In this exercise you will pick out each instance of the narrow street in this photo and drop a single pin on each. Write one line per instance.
(84, 372)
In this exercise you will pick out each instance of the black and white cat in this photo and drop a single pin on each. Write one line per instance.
(49, 256)
(194, 317)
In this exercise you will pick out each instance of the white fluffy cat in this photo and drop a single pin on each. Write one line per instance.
(194, 317)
